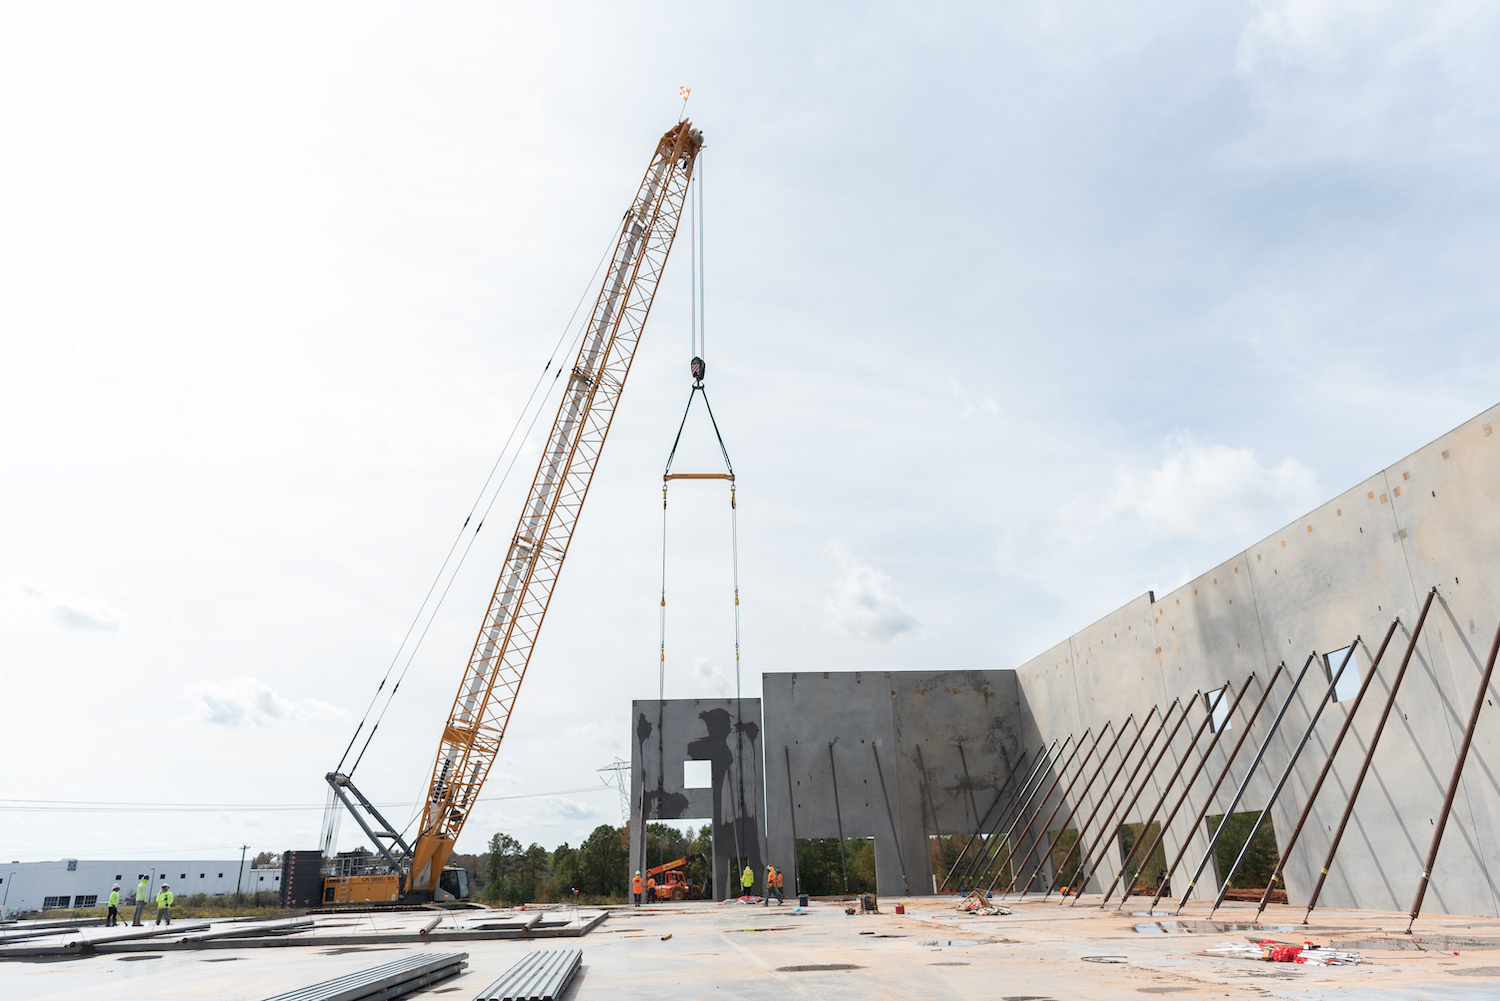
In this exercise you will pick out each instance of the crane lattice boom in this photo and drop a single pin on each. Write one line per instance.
(481, 710)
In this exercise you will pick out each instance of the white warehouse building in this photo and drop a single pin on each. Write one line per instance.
(69, 883)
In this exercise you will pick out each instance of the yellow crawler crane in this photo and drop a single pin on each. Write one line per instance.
(481, 711)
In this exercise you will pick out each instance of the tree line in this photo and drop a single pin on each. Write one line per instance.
(508, 874)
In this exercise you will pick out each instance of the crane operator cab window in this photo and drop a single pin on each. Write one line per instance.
(455, 880)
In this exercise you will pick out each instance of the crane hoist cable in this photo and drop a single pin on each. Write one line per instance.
(698, 369)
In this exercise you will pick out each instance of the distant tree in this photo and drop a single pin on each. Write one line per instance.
(601, 862)
(266, 860)
(500, 866)
(564, 871)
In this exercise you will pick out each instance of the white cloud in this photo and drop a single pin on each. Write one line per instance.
(73, 607)
(248, 702)
(861, 601)
(1202, 491)
(987, 405)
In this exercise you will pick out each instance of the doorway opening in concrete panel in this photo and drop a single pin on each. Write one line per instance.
(667, 845)
(1260, 861)
(1150, 870)
(820, 870)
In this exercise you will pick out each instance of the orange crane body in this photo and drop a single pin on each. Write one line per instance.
(471, 738)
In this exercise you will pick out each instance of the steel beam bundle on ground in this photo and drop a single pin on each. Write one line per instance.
(539, 976)
(389, 980)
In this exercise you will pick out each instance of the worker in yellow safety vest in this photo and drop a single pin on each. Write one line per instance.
(142, 893)
(113, 918)
(637, 887)
(164, 901)
(747, 879)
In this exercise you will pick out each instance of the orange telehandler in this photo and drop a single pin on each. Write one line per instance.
(675, 885)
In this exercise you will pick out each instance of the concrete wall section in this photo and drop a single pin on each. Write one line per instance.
(1344, 570)
(727, 734)
(912, 753)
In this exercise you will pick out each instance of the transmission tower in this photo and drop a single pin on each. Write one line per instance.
(619, 778)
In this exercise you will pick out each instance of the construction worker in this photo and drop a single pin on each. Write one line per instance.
(141, 892)
(780, 894)
(770, 884)
(747, 879)
(164, 901)
(636, 887)
(113, 918)
(650, 889)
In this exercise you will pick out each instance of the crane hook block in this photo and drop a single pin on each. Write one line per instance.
(697, 367)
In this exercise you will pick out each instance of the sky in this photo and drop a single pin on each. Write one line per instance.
(1013, 312)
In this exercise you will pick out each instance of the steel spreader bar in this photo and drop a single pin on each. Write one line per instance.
(1286, 774)
(1181, 719)
(1458, 771)
(1161, 887)
(1327, 767)
(1359, 781)
(1083, 828)
(1162, 801)
(1081, 796)
(1245, 782)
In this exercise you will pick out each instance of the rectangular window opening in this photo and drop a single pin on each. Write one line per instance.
(1349, 681)
(1218, 704)
(697, 774)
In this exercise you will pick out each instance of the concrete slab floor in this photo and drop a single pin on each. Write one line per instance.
(1042, 951)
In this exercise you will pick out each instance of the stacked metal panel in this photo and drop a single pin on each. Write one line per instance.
(539, 976)
(389, 980)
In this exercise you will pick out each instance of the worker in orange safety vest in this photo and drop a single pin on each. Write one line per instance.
(650, 889)
(637, 887)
